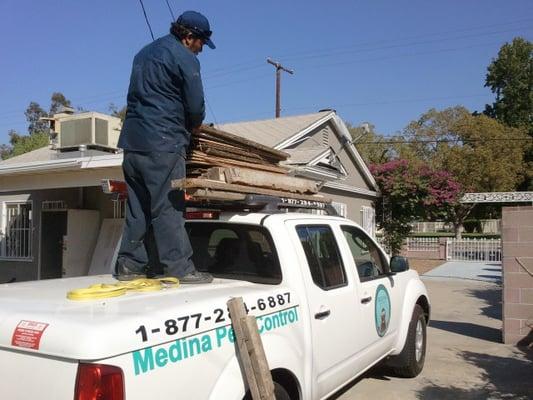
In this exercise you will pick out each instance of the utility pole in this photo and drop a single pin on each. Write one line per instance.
(279, 68)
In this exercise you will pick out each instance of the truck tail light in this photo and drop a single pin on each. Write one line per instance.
(202, 215)
(99, 381)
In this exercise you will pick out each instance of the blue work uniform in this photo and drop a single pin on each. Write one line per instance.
(165, 101)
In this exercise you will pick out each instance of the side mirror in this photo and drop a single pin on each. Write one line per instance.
(399, 264)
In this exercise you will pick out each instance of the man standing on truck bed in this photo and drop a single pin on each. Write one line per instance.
(165, 104)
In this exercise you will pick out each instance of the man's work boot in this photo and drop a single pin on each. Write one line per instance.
(196, 277)
(123, 273)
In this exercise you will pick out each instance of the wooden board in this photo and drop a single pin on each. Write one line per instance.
(204, 144)
(200, 183)
(239, 140)
(226, 162)
(250, 352)
(268, 180)
(208, 194)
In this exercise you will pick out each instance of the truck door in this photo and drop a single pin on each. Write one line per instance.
(333, 305)
(379, 295)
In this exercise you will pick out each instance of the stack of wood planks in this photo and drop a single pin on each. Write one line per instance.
(225, 167)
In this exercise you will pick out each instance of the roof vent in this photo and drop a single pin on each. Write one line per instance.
(328, 109)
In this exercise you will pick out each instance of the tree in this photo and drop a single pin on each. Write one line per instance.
(37, 129)
(57, 101)
(33, 114)
(30, 142)
(510, 77)
(410, 192)
(367, 141)
(482, 154)
(5, 151)
(116, 112)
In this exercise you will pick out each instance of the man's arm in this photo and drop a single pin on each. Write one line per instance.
(193, 95)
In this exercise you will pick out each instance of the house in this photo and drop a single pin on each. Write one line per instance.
(320, 148)
(53, 212)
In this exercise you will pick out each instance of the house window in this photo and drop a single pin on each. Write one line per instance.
(368, 220)
(341, 208)
(17, 228)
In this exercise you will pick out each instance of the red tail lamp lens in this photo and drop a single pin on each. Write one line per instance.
(201, 215)
(99, 382)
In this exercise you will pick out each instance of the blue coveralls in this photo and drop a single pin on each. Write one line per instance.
(165, 101)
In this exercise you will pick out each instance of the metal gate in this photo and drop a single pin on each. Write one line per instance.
(474, 250)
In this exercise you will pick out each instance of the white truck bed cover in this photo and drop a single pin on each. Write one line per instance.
(97, 329)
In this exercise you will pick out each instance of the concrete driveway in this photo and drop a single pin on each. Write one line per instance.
(465, 358)
(477, 271)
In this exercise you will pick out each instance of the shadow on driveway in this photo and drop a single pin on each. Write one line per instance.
(492, 296)
(469, 329)
(504, 377)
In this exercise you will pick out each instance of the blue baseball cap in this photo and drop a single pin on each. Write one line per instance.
(198, 24)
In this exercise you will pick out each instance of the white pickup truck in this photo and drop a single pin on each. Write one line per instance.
(329, 304)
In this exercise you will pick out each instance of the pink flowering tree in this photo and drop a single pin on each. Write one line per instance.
(409, 193)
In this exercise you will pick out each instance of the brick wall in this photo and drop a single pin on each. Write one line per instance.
(517, 238)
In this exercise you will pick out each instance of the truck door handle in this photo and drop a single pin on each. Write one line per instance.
(322, 314)
(366, 300)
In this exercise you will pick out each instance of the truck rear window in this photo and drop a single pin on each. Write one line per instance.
(234, 251)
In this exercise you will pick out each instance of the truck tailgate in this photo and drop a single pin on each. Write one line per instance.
(27, 376)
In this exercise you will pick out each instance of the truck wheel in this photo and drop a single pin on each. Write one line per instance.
(410, 362)
(279, 393)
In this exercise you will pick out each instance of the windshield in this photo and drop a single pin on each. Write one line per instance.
(234, 251)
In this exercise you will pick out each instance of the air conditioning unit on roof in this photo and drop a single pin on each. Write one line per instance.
(88, 128)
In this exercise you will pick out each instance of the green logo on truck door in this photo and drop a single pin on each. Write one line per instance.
(382, 310)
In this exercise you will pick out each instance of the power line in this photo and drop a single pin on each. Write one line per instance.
(425, 35)
(211, 110)
(445, 141)
(398, 101)
(328, 65)
(171, 13)
(146, 18)
(247, 67)
(221, 71)
(336, 53)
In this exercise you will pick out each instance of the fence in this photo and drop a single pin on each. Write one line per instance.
(425, 227)
(486, 225)
(474, 249)
(423, 244)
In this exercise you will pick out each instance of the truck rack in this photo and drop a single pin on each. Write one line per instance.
(237, 201)
(262, 203)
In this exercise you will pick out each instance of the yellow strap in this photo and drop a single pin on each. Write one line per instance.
(103, 290)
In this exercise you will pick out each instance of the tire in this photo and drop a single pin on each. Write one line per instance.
(279, 393)
(410, 362)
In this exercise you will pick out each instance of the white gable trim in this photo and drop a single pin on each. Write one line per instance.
(321, 172)
(343, 130)
(294, 138)
(325, 157)
(351, 189)
(344, 133)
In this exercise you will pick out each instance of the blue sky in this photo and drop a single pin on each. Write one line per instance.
(385, 62)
